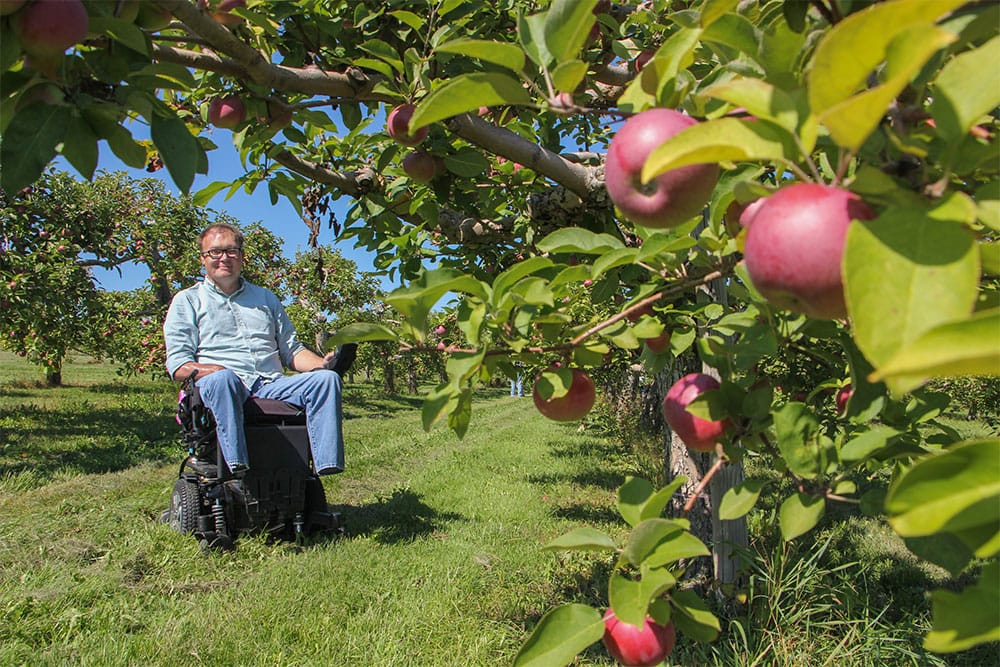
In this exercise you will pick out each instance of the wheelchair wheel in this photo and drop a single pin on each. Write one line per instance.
(315, 496)
(184, 502)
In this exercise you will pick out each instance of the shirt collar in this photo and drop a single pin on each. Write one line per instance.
(215, 288)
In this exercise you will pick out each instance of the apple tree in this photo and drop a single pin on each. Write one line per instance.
(817, 178)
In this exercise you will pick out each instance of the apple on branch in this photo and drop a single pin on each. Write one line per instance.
(638, 647)
(572, 406)
(673, 197)
(226, 112)
(696, 433)
(46, 28)
(795, 246)
(422, 167)
(398, 124)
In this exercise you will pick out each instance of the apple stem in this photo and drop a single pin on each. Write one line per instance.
(716, 467)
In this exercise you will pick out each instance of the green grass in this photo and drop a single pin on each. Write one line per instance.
(440, 564)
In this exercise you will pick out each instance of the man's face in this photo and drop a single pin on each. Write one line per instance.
(225, 269)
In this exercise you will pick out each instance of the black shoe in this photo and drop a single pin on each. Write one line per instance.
(342, 359)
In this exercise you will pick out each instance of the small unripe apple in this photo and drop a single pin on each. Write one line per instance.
(152, 17)
(638, 647)
(47, 28)
(399, 126)
(696, 433)
(795, 246)
(572, 406)
(421, 166)
(226, 112)
(843, 396)
(669, 199)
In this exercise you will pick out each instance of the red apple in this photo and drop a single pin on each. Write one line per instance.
(659, 344)
(226, 112)
(698, 434)
(399, 126)
(642, 59)
(672, 197)
(47, 28)
(638, 647)
(843, 396)
(795, 245)
(574, 405)
(421, 166)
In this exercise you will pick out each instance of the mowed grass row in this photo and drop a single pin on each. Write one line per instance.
(441, 563)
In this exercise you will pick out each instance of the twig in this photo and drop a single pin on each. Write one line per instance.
(716, 467)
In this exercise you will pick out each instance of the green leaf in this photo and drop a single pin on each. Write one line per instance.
(29, 143)
(965, 347)
(740, 499)
(760, 98)
(504, 281)
(80, 147)
(466, 162)
(955, 490)
(731, 30)
(908, 268)
(851, 121)
(531, 34)
(384, 52)
(582, 539)
(178, 148)
(203, 196)
(674, 55)
(720, 140)
(461, 413)
(561, 634)
(639, 500)
(439, 401)
(966, 88)
(631, 599)
(359, 332)
(462, 366)
(576, 240)
(656, 542)
(694, 619)
(466, 93)
(868, 443)
(849, 52)
(567, 26)
(568, 75)
(798, 433)
(499, 53)
(799, 514)
(10, 46)
(963, 620)
(121, 31)
(416, 300)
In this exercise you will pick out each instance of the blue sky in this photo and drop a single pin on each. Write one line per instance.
(223, 165)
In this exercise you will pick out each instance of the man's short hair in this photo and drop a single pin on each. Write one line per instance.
(222, 227)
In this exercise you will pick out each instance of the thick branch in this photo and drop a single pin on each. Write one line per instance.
(353, 183)
(500, 141)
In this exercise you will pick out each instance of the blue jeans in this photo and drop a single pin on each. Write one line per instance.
(318, 392)
(517, 386)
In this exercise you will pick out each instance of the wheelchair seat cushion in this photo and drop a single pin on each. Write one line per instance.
(266, 411)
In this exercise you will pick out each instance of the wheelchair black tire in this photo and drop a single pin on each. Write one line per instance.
(184, 503)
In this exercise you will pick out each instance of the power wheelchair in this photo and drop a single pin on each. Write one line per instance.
(280, 495)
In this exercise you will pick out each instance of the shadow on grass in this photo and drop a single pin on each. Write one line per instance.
(92, 440)
(401, 517)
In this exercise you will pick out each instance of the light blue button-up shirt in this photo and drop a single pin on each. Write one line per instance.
(248, 332)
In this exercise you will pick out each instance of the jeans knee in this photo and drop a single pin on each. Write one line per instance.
(224, 380)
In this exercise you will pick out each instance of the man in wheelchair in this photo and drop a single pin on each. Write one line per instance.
(256, 437)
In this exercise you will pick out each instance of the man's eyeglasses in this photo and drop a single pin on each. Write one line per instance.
(217, 253)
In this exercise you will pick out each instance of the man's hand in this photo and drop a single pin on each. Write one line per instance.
(185, 371)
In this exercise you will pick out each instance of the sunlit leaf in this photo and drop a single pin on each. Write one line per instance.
(694, 619)
(582, 539)
(760, 98)
(799, 514)
(851, 49)
(966, 88)
(964, 619)
(567, 26)
(561, 634)
(467, 93)
(740, 499)
(576, 240)
(724, 139)
(499, 53)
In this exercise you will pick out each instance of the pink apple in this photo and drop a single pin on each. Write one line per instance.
(47, 28)
(572, 406)
(638, 647)
(399, 126)
(226, 112)
(421, 166)
(642, 60)
(795, 246)
(696, 433)
(843, 396)
(659, 344)
(671, 198)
